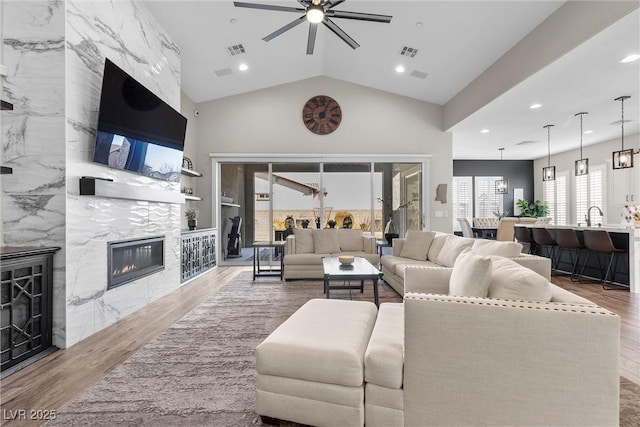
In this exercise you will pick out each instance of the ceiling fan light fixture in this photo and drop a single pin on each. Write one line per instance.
(315, 14)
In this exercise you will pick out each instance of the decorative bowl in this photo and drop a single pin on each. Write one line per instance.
(346, 259)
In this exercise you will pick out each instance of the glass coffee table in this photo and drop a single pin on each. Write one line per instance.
(360, 270)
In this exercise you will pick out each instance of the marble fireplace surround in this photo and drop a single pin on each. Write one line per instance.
(54, 53)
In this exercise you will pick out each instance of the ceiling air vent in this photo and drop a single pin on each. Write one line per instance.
(409, 51)
(223, 72)
(419, 74)
(527, 142)
(236, 49)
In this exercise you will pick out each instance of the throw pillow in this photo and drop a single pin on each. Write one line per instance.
(326, 241)
(493, 247)
(304, 241)
(416, 244)
(436, 245)
(350, 240)
(471, 275)
(510, 280)
(452, 248)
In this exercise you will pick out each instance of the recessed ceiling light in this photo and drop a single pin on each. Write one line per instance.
(400, 69)
(587, 132)
(484, 131)
(419, 24)
(233, 21)
(534, 106)
(243, 67)
(631, 58)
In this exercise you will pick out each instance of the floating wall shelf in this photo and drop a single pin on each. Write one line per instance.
(6, 106)
(5, 170)
(91, 186)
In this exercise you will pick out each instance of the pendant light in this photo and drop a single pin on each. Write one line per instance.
(582, 165)
(624, 158)
(549, 173)
(502, 185)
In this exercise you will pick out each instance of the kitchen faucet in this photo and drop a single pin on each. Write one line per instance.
(588, 216)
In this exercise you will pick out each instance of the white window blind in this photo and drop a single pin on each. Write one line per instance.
(560, 217)
(487, 201)
(596, 194)
(462, 200)
(549, 191)
(590, 192)
(555, 193)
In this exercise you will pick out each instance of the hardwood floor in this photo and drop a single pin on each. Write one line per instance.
(53, 382)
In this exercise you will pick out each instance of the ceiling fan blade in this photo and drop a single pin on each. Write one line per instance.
(287, 27)
(305, 3)
(359, 16)
(267, 7)
(333, 3)
(338, 32)
(311, 42)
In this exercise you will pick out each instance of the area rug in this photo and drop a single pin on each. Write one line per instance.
(201, 371)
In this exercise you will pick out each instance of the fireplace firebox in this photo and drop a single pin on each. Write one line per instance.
(131, 259)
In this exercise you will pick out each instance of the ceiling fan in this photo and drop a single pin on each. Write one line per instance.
(317, 11)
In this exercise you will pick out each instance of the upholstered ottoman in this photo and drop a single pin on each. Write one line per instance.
(311, 368)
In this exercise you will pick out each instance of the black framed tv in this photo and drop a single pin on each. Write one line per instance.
(137, 131)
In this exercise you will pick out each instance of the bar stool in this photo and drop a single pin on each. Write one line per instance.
(600, 242)
(543, 238)
(568, 239)
(523, 235)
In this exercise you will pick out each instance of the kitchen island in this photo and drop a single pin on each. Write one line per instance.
(624, 237)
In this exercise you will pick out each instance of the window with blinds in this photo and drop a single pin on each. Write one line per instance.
(462, 200)
(487, 201)
(590, 192)
(555, 193)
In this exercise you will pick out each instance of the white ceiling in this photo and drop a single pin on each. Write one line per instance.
(456, 43)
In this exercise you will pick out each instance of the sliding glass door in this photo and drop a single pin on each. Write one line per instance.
(274, 198)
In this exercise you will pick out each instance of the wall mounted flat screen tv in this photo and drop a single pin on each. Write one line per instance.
(137, 131)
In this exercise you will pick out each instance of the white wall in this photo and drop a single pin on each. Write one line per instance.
(374, 122)
(598, 154)
(33, 135)
(127, 33)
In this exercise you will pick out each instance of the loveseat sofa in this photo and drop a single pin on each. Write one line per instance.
(305, 248)
(435, 249)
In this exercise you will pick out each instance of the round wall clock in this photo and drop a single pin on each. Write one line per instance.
(322, 115)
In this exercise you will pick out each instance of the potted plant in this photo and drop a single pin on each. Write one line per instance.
(535, 209)
(331, 223)
(305, 223)
(192, 216)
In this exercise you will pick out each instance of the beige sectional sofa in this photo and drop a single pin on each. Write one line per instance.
(487, 342)
(547, 357)
(305, 248)
(435, 249)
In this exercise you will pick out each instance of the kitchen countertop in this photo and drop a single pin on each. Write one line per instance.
(612, 228)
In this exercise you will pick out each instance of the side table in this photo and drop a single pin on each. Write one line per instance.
(382, 244)
(258, 270)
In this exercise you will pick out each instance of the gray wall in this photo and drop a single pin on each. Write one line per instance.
(518, 172)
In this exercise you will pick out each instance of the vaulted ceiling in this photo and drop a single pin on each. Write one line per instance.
(456, 41)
